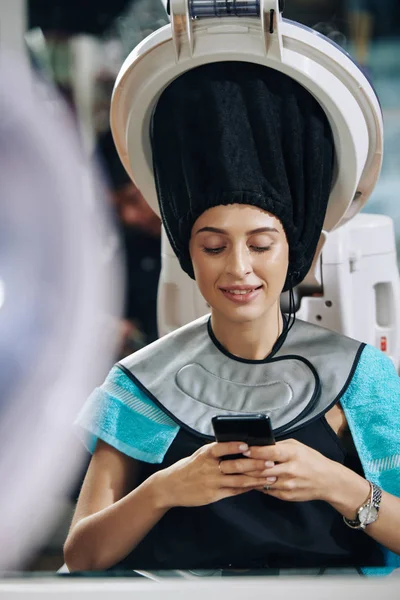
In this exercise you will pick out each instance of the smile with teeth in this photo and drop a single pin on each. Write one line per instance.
(241, 292)
(241, 295)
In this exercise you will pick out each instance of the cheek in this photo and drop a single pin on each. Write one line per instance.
(274, 268)
(206, 271)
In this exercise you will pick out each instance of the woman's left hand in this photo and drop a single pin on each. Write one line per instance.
(299, 473)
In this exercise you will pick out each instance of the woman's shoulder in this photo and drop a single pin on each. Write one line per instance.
(366, 366)
(373, 378)
(374, 363)
(185, 337)
(125, 417)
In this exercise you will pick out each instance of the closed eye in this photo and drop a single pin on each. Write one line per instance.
(260, 248)
(214, 250)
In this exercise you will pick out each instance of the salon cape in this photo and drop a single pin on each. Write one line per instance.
(176, 381)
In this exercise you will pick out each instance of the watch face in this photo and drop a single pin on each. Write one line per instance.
(367, 515)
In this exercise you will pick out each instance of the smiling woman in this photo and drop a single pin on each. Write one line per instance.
(243, 200)
(240, 258)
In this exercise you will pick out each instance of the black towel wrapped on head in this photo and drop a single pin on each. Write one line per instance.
(237, 132)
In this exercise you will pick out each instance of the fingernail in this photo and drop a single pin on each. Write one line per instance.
(271, 479)
(243, 447)
(248, 453)
(269, 463)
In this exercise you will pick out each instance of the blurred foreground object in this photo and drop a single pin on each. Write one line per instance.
(140, 232)
(59, 295)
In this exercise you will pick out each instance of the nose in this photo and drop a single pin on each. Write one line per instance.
(239, 261)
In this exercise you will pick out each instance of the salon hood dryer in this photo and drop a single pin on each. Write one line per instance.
(203, 31)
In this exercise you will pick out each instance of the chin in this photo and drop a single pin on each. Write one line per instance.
(241, 314)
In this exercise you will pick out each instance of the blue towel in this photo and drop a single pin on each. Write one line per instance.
(120, 414)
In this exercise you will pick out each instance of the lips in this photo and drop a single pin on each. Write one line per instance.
(241, 294)
(240, 289)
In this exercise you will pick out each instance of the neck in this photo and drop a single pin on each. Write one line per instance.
(251, 340)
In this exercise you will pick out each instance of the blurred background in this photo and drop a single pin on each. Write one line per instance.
(80, 46)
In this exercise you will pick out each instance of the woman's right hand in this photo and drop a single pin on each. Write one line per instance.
(203, 478)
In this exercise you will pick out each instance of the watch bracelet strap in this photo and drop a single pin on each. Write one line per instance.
(376, 496)
(374, 500)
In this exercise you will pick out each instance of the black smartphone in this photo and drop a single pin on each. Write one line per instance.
(253, 429)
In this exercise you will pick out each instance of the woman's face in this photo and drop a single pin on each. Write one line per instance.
(240, 258)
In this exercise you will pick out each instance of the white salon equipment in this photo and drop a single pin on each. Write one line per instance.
(358, 266)
(359, 291)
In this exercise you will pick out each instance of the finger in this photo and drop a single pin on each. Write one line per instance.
(220, 449)
(268, 465)
(285, 487)
(270, 492)
(280, 495)
(284, 471)
(242, 482)
(242, 465)
(234, 492)
(276, 453)
(267, 492)
(263, 475)
(281, 470)
(269, 487)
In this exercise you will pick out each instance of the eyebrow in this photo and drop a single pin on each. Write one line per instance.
(252, 232)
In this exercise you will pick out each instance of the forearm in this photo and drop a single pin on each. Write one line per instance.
(350, 491)
(101, 540)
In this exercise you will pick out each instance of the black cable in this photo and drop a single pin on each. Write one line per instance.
(291, 315)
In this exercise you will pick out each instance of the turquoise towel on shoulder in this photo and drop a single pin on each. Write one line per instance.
(123, 416)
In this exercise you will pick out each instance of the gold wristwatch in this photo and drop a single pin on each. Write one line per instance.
(369, 511)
